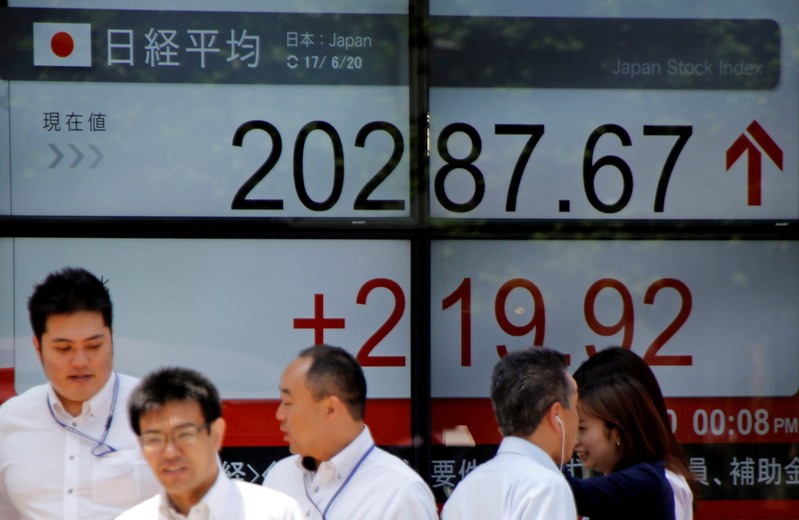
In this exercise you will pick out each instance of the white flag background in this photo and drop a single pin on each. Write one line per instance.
(62, 44)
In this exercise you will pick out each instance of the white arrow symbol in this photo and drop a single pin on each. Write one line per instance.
(58, 155)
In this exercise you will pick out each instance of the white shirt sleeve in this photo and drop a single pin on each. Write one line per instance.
(683, 497)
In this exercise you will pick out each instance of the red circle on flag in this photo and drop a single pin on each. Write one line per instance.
(62, 44)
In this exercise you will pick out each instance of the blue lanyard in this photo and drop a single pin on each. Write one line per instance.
(100, 443)
(341, 488)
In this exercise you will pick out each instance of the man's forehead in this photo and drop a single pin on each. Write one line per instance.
(301, 364)
(295, 373)
(176, 410)
(79, 314)
(76, 323)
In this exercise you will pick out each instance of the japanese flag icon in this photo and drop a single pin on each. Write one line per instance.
(62, 44)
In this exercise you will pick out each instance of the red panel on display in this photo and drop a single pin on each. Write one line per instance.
(6, 384)
(748, 509)
(706, 420)
(253, 423)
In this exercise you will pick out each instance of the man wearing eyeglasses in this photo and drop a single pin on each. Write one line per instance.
(177, 414)
(66, 450)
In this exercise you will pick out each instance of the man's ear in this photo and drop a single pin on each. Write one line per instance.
(218, 428)
(334, 406)
(554, 416)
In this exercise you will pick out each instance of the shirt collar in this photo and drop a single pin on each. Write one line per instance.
(338, 467)
(213, 502)
(99, 401)
(528, 449)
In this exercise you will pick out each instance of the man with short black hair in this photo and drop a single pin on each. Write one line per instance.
(66, 451)
(177, 414)
(535, 404)
(336, 470)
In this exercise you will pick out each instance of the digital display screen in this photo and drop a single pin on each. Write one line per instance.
(668, 113)
(213, 304)
(568, 175)
(642, 112)
(673, 302)
(199, 113)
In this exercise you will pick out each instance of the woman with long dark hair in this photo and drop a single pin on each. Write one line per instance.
(622, 436)
(615, 361)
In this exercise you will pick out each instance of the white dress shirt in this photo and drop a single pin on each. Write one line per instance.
(49, 473)
(683, 496)
(226, 500)
(520, 482)
(360, 482)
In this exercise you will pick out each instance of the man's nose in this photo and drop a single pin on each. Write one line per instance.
(81, 358)
(170, 447)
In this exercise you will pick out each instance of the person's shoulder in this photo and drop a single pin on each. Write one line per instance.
(647, 479)
(651, 469)
(385, 461)
(459, 503)
(519, 473)
(22, 402)
(145, 510)
(264, 502)
(401, 486)
(250, 490)
(287, 462)
(523, 466)
(283, 468)
(127, 382)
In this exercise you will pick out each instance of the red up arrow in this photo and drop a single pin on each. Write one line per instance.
(754, 163)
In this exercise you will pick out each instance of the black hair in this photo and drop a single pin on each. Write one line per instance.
(334, 371)
(171, 384)
(65, 292)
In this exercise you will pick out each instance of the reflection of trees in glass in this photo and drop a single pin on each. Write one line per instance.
(583, 52)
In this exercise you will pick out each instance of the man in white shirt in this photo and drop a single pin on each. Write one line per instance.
(336, 471)
(177, 414)
(535, 404)
(66, 450)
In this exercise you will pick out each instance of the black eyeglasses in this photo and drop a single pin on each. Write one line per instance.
(182, 436)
